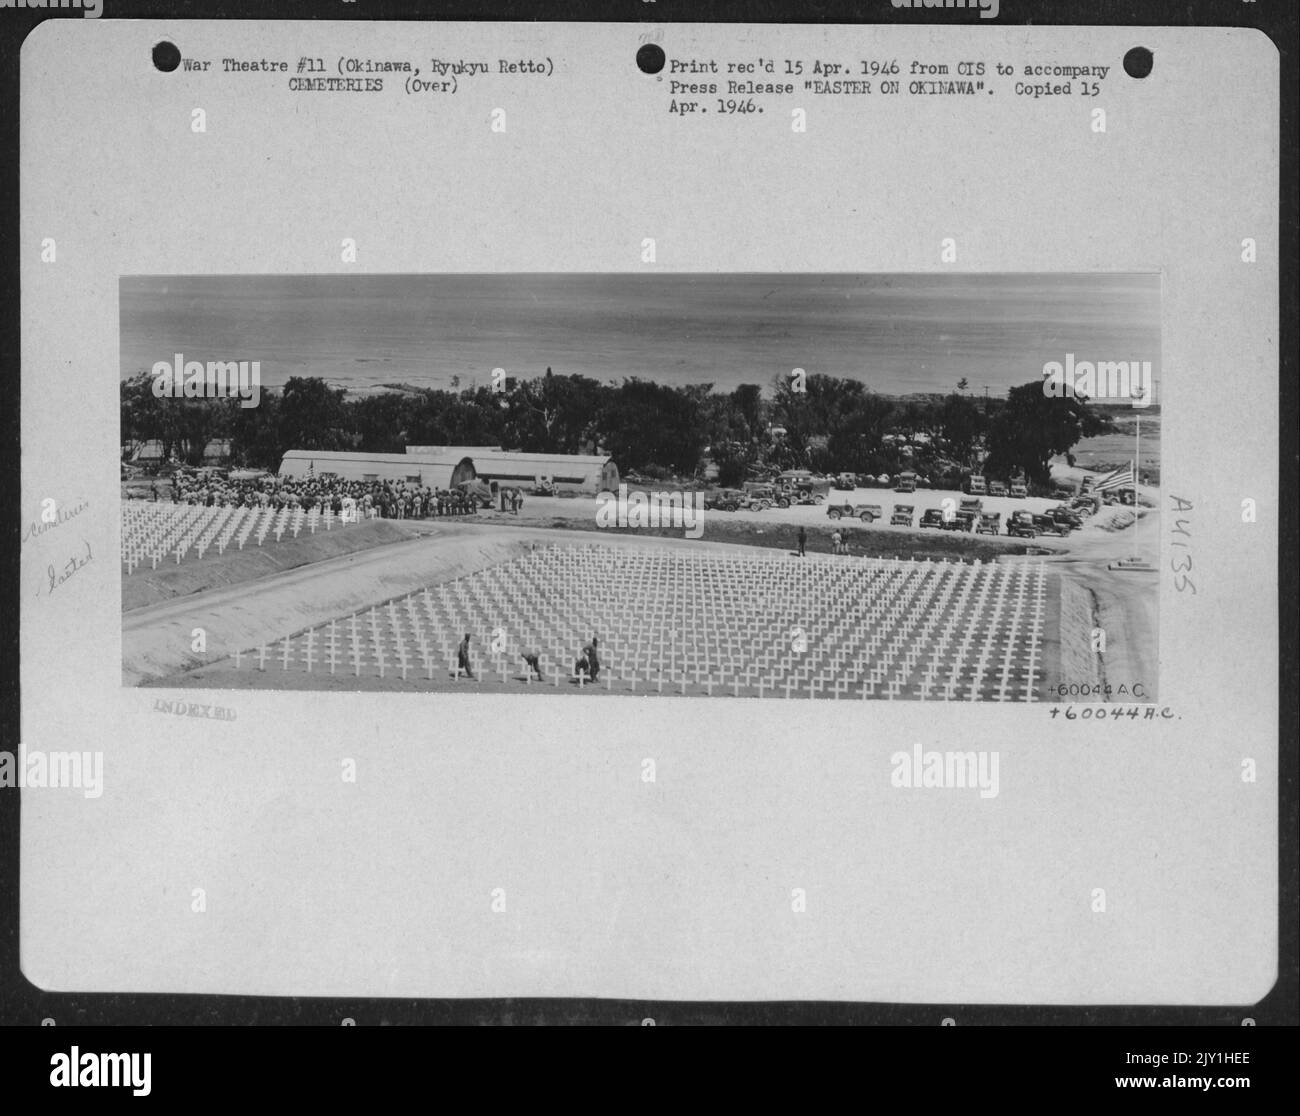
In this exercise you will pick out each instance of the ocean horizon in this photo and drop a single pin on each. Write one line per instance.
(899, 334)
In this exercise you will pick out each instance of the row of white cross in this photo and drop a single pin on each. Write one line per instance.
(153, 532)
(700, 623)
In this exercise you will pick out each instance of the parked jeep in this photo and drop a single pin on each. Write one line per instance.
(1018, 490)
(997, 488)
(902, 516)
(845, 481)
(868, 513)
(989, 524)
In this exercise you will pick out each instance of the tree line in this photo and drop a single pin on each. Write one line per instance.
(825, 423)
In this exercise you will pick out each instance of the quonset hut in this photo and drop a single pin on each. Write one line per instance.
(435, 470)
(573, 472)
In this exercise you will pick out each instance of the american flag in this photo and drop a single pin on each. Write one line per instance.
(1120, 478)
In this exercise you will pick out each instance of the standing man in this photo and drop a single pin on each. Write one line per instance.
(462, 658)
(593, 658)
(803, 542)
(532, 661)
(835, 542)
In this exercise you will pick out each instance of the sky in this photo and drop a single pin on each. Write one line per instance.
(897, 333)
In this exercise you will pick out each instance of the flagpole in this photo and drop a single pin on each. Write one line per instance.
(1137, 465)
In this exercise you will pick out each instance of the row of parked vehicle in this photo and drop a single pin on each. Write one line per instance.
(969, 516)
(976, 485)
(758, 496)
(907, 481)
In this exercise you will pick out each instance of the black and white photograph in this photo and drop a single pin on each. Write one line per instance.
(685, 519)
(926, 487)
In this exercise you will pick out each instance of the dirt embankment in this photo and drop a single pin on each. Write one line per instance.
(1124, 604)
(1079, 664)
(158, 640)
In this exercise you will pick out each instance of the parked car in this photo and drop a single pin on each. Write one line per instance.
(1018, 490)
(479, 492)
(989, 524)
(801, 495)
(725, 499)
(961, 521)
(763, 496)
(1065, 515)
(931, 517)
(1046, 525)
(902, 516)
(769, 494)
(1021, 525)
(868, 513)
(997, 488)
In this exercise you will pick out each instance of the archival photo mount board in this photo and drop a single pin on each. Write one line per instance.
(229, 833)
